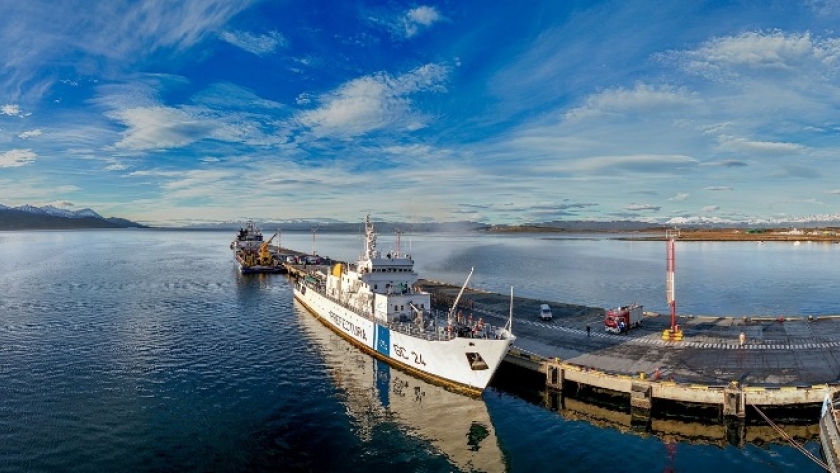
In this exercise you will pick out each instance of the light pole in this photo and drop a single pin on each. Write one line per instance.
(674, 333)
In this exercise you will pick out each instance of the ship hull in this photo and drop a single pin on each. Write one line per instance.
(256, 269)
(830, 435)
(445, 362)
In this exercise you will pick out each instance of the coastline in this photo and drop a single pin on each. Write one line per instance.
(815, 235)
(787, 234)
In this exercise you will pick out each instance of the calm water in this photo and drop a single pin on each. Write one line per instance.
(147, 351)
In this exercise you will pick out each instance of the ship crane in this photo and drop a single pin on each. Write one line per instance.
(265, 255)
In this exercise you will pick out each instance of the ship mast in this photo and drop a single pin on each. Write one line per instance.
(370, 239)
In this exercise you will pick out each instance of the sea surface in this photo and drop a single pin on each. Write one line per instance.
(145, 350)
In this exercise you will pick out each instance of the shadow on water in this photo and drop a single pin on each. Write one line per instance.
(672, 422)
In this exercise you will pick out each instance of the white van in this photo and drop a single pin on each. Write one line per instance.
(545, 312)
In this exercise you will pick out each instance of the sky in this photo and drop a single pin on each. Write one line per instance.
(174, 113)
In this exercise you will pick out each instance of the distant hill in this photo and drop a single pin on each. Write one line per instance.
(29, 217)
(330, 226)
(565, 226)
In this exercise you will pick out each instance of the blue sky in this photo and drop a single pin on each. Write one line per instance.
(171, 113)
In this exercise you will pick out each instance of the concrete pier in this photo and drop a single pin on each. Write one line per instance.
(785, 361)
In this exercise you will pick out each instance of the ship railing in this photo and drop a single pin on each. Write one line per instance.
(436, 329)
(366, 314)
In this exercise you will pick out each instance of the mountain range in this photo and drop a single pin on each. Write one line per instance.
(26, 217)
(30, 217)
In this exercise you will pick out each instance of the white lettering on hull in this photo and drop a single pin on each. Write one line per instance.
(348, 326)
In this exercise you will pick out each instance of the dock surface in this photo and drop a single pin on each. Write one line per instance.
(784, 361)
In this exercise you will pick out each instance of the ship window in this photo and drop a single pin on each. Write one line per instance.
(395, 308)
(402, 307)
(476, 362)
(375, 287)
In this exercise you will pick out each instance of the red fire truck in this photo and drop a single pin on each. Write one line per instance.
(622, 319)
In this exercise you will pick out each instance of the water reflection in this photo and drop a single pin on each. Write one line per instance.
(693, 428)
(457, 426)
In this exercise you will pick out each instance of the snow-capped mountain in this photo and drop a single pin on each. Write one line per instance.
(51, 217)
(57, 212)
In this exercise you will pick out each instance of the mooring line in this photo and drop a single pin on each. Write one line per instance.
(793, 442)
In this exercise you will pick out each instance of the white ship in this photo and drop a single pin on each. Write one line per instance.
(375, 305)
(830, 434)
(374, 394)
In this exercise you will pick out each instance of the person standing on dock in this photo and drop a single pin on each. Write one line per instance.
(588, 329)
(742, 338)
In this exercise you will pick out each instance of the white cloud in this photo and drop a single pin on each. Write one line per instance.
(419, 17)
(642, 207)
(710, 209)
(223, 112)
(159, 128)
(374, 102)
(756, 53)
(623, 102)
(742, 145)
(16, 157)
(61, 204)
(636, 163)
(679, 197)
(117, 167)
(29, 134)
(156, 173)
(260, 45)
(11, 109)
(834, 191)
(718, 188)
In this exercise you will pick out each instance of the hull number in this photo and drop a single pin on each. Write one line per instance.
(402, 353)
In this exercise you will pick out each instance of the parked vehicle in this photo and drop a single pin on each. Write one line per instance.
(545, 312)
(622, 319)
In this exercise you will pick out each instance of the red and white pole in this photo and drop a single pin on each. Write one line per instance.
(671, 235)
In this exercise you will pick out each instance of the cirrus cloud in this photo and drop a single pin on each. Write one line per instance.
(259, 45)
